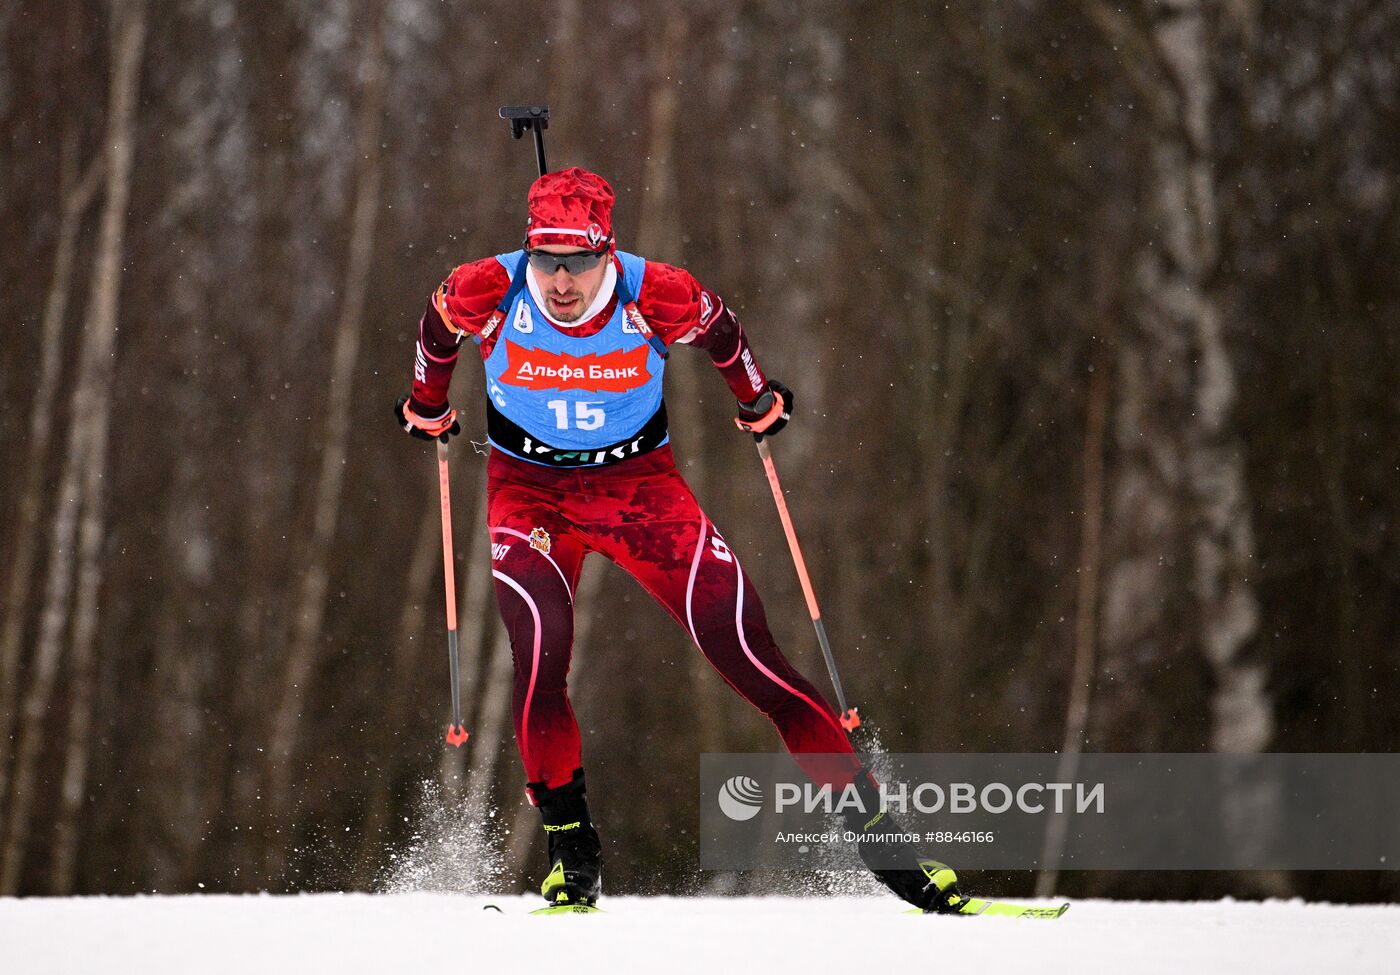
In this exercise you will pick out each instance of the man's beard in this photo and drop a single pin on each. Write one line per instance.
(570, 314)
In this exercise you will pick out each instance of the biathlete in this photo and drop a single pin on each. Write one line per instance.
(574, 335)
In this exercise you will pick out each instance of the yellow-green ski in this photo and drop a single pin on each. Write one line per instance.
(569, 909)
(979, 907)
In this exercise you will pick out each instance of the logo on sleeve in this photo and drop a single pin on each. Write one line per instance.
(751, 368)
(492, 324)
(633, 322)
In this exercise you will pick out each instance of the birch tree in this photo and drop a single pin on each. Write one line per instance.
(85, 458)
(310, 605)
(76, 194)
(1181, 537)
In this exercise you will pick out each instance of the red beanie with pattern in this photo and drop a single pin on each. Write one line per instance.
(573, 207)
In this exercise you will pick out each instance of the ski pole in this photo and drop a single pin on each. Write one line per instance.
(456, 734)
(532, 117)
(850, 719)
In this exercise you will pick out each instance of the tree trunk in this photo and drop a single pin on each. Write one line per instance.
(87, 434)
(1085, 620)
(1180, 538)
(1223, 542)
(76, 195)
(78, 746)
(190, 662)
(305, 643)
(1221, 533)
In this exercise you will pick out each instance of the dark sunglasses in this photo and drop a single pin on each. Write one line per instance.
(575, 263)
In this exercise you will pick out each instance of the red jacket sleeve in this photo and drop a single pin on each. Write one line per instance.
(459, 308)
(679, 309)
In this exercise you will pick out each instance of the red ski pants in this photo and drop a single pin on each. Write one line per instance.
(640, 514)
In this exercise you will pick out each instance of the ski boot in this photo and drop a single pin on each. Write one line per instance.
(930, 886)
(576, 866)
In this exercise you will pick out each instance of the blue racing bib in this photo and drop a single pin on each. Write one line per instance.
(573, 401)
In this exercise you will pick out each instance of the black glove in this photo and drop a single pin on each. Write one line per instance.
(767, 414)
(443, 427)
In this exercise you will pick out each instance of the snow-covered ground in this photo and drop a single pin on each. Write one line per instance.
(425, 933)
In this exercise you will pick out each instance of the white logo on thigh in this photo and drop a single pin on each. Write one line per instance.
(740, 798)
(498, 551)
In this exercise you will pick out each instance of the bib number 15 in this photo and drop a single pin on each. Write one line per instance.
(587, 416)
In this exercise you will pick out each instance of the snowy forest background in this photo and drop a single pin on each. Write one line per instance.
(1091, 310)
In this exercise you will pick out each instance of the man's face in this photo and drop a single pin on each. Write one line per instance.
(568, 295)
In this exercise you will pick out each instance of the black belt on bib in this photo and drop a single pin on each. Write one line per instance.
(510, 436)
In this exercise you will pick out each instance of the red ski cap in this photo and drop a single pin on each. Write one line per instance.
(572, 206)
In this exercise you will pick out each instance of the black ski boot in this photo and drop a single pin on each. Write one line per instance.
(930, 886)
(576, 864)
